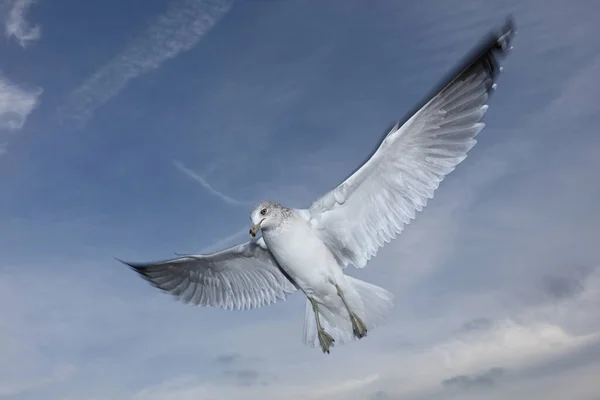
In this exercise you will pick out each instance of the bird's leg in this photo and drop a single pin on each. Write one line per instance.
(358, 327)
(325, 339)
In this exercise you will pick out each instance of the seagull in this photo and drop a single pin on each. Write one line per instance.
(307, 250)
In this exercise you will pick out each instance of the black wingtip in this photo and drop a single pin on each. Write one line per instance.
(130, 265)
(506, 33)
(121, 261)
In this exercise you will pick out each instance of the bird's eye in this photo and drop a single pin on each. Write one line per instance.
(263, 211)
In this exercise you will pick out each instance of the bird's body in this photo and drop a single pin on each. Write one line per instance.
(307, 260)
(309, 249)
(303, 256)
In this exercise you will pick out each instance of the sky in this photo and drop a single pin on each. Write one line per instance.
(139, 128)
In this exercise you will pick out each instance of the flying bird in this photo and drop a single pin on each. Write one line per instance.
(307, 250)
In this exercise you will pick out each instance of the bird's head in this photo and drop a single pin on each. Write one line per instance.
(266, 215)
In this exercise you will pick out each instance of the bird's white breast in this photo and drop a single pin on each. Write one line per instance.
(302, 254)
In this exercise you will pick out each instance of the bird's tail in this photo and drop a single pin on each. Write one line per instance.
(370, 302)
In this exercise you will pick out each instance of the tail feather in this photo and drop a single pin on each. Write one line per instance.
(370, 302)
(310, 326)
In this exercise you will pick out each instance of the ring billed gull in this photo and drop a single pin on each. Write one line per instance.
(308, 249)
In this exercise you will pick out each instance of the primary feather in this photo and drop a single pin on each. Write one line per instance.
(377, 201)
(240, 277)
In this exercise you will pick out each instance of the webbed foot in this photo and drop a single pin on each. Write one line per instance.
(358, 327)
(325, 340)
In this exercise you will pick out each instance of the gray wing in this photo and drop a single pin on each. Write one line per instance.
(240, 277)
(374, 204)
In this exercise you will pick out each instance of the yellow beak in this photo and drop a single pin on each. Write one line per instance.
(254, 229)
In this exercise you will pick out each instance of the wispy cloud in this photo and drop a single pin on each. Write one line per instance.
(16, 103)
(176, 31)
(195, 176)
(17, 26)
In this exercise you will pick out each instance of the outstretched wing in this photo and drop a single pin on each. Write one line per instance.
(375, 203)
(240, 277)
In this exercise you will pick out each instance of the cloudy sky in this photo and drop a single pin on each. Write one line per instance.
(137, 128)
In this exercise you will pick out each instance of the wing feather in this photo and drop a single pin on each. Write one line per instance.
(374, 203)
(240, 277)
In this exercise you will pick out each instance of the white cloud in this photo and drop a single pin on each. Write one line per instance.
(16, 103)
(407, 374)
(176, 31)
(18, 27)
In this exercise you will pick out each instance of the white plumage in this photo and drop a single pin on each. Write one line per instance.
(307, 249)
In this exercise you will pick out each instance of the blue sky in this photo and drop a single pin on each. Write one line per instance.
(134, 129)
